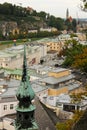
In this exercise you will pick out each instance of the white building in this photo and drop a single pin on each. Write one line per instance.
(13, 57)
(8, 102)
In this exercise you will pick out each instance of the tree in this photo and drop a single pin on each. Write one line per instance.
(80, 61)
(56, 22)
(72, 48)
(71, 25)
(42, 14)
(61, 126)
(68, 124)
(74, 25)
(84, 6)
(59, 24)
(68, 24)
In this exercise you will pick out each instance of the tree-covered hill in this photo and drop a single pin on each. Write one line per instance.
(9, 12)
(24, 19)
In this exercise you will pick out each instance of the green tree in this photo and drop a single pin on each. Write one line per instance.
(56, 22)
(80, 60)
(72, 48)
(71, 25)
(42, 14)
(84, 6)
(68, 24)
(1, 35)
(68, 124)
(74, 25)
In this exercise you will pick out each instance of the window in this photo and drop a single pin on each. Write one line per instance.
(11, 106)
(26, 117)
(20, 116)
(5, 107)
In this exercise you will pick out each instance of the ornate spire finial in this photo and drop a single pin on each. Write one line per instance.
(24, 73)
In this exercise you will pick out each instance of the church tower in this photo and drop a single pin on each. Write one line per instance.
(67, 13)
(25, 109)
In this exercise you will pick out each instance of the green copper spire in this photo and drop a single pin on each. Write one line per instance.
(24, 75)
(25, 87)
(25, 109)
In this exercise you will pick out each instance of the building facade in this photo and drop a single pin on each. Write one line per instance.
(13, 57)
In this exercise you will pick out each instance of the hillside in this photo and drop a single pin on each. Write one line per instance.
(17, 22)
(9, 12)
(31, 21)
(21, 16)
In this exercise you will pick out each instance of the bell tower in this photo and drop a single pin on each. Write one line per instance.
(67, 13)
(25, 109)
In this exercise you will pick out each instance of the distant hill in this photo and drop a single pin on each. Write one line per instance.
(17, 22)
(21, 15)
(83, 19)
(9, 12)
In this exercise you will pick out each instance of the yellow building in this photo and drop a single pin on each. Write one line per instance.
(59, 73)
(60, 81)
(55, 44)
(56, 92)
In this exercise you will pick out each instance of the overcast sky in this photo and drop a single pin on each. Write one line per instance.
(54, 7)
